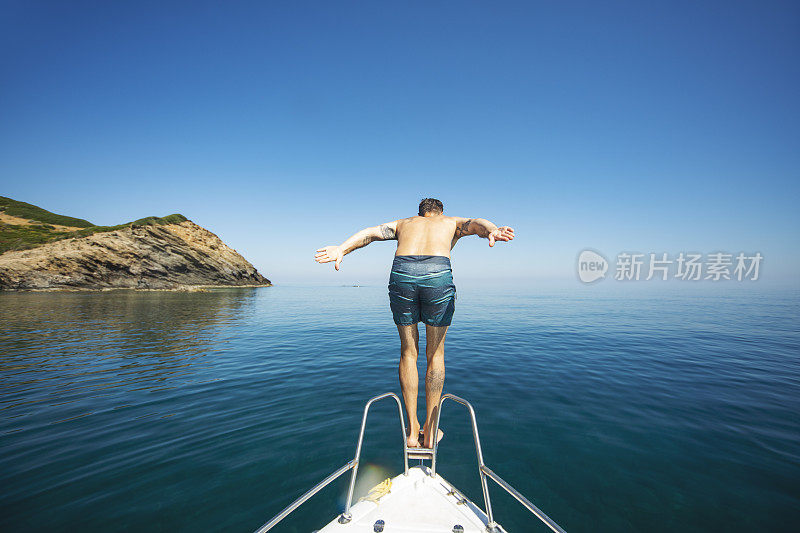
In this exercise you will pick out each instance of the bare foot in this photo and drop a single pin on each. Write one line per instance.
(429, 442)
(412, 439)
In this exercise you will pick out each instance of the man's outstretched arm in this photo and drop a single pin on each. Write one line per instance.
(482, 228)
(384, 232)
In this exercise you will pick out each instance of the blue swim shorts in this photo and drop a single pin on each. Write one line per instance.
(421, 289)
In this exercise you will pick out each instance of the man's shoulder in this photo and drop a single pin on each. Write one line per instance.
(442, 219)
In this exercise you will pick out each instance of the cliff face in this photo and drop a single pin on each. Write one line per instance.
(170, 256)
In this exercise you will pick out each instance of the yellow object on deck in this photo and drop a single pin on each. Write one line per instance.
(378, 491)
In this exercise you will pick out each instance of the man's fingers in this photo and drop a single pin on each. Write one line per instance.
(325, 255)
(504, 234)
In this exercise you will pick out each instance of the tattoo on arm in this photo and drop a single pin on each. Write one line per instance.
(387, 232)
(367, 235)
(463, 228)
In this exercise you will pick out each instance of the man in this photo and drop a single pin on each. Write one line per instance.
(420, 289)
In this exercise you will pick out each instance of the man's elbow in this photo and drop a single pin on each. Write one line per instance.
(478, 224)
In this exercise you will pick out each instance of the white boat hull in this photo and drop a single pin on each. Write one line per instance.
(417, 502)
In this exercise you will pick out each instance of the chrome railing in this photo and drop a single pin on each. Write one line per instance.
(302, 499)
(483, 470)
(486, 500)
(345, 516)
(523, 500)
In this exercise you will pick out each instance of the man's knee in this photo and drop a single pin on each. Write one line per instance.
(409, 353)
(435, 355)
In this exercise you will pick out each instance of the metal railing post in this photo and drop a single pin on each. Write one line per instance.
(345, 517)
(302, 499)
(491, 526)
(549, 522)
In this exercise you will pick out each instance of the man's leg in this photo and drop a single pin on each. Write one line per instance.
(434, 377)
(409, 378)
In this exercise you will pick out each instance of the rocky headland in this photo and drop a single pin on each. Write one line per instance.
(172, 253)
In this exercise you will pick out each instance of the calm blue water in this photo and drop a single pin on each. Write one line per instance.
(640, 411)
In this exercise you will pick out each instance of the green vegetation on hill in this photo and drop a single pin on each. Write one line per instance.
(23, 237)
(14, 237)
(32, 212)
(146, 221)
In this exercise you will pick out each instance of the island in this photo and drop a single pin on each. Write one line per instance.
(40, 250)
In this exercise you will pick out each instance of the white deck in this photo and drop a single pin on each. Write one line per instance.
(415, 503)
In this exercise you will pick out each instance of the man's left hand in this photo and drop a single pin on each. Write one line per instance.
(503, 233)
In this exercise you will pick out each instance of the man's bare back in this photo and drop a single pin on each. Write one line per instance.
(427, 235)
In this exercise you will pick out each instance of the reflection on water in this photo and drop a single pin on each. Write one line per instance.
(61, 347)
(161, 411)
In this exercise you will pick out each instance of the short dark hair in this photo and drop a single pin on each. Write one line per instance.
(430, 204)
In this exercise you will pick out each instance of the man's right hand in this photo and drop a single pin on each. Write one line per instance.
(328, 254)
(503, 233)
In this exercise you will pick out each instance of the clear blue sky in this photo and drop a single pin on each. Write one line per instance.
(284, 126)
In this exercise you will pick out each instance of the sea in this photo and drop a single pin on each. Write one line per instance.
(624, 408)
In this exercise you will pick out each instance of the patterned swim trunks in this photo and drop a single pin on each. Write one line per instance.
(421, 289)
